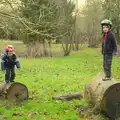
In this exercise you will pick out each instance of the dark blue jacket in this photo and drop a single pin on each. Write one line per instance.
(109, 46)
(8, 62)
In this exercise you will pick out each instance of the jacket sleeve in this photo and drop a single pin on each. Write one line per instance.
(102, 51)
(114, 44)
(17, 63)
(3, 63)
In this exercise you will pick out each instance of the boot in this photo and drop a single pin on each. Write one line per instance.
(106, 78)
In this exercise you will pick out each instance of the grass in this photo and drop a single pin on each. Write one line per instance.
(47, 77)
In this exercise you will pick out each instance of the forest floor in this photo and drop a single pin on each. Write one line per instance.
(47, 77)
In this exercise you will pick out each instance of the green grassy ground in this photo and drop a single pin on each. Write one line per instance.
(47, 77)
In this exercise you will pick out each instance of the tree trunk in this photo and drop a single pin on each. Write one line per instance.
(73, 47)
(38, 49)
(50, 48)
(67, 49)
(117, 35)
(104, 95)
(77, 46)
(45, 47)
(118, 51)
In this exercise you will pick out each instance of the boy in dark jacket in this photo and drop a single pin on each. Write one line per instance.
(8, 63)
(109, 47)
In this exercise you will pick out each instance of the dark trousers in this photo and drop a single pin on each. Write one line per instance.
(10, 75)
(107, 62)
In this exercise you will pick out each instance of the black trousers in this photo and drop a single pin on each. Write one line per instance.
(10, 75)
(107, 62)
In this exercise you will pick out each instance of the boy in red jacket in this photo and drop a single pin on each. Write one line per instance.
(109, 47)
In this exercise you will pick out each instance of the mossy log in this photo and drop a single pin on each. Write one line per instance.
(68, 97)
(14, 92)
(104, 95)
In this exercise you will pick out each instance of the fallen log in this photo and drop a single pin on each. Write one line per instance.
(14, 92)
(104, 96)
(68, 97)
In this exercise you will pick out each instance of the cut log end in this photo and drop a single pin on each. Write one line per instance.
(14, 92)
(17, 92)
(104, 95)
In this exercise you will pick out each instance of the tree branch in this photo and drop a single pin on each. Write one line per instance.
(28, 28)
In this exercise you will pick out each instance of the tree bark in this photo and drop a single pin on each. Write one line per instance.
(69, 97)
(50, 48)
(67, 49)
(45, 47)
(117, 35)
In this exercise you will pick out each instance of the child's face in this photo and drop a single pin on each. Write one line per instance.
(10, 53)
(105, 29)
